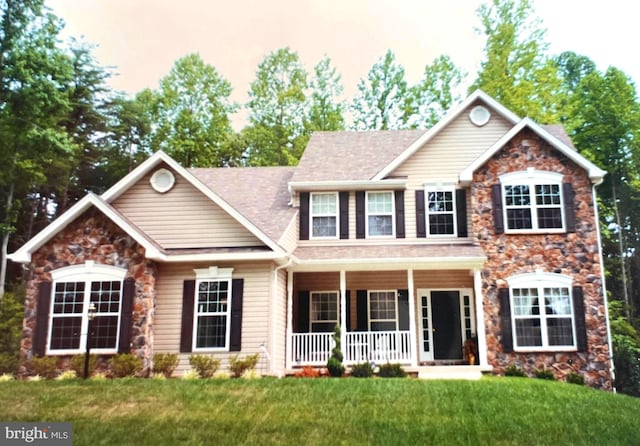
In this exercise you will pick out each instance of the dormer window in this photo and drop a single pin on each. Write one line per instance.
(380, 221)
(324, 215)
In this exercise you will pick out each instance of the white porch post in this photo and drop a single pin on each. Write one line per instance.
(289, 340)
(343, 308)
(413, 331)
(480, 330)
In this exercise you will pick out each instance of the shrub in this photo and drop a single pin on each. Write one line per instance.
(391, 371)
(165, 363)
(67, 375)
(77, 364)
(44, 366)
(514, 370)
(205, 366)
(239, 366)
(335, 367)
(575, 378)
(307, 372)
(544, 374)
(362, 370)
(626, 358)
(8, 363)
(125, 364)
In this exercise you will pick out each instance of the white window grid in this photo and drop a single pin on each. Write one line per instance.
(441, 206)
(212, 303)
(324, 211)
(380, 211)
(383, 307)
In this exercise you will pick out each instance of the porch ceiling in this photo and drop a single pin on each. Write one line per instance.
(389, 257)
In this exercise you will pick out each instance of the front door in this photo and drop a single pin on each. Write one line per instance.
(446, 321)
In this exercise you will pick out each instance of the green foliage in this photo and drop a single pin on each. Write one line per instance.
(389, 370)
(381, 101)
(362, 370)
(76, 363)
(44, 366)
(239, 366)
(326, 110)
(626, 359)
(514, 370)
(125, 364)
(206, 366)
(11, 315)
(544, 374)
(575, 378)
(334, 364)
(165, 363)
(335, 367)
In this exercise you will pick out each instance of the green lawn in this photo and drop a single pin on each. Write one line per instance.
(493, 411)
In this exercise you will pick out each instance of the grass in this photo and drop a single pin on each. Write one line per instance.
(493, 411)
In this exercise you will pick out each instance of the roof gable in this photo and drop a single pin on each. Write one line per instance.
(595, 173)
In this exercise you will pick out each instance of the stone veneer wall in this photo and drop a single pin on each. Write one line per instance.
(94, 237)
(573, 254)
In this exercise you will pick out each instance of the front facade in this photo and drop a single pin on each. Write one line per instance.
(465, 248)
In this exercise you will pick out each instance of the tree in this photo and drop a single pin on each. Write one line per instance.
(34, 75)
(381, 101)
(435, 93)
(191, 114)
(277, 131)
(326, 111)
(515, 70)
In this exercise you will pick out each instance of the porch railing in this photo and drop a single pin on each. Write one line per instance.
(378, 346)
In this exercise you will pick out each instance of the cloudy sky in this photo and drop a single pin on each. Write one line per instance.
(141, 39)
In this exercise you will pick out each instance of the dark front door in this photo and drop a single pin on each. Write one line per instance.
(445, 316)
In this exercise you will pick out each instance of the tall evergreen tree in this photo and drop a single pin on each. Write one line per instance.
(326, 110)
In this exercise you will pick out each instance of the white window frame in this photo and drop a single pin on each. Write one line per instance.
(427, 213)
(212, 274)
(87, 273)
(313, 215)
(532, 178)
(539, 281)
(382, 214)
(317, 294)
(395, 306)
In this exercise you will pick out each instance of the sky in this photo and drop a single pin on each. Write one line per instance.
(140, 40)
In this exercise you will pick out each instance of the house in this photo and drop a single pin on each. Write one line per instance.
(478, 237)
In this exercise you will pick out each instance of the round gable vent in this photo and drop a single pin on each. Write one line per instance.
(479, 115)
(162, 180)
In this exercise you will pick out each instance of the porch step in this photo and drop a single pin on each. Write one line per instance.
(469, 372)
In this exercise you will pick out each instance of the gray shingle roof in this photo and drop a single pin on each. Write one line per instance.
(259, 193)
(340, 156)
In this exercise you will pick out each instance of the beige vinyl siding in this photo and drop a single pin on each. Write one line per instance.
(289, 239)
(442, 159)
(255, 312)
(182, 218)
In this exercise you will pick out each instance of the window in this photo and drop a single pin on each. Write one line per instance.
(75, 288)
(542, 312)
(324, 215)
(212, 309)
(441, 208)
(324, 311)
(382, 310)
(380, 221)
(533, 201)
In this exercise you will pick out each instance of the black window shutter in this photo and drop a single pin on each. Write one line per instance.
(304, 215)
(403, 309)
(580, 318)
(362, 311)
(126, 315)
(186, 333)
(42, 319)
(569, 207)
(496, 201)
(461, 212)
(421, 228)
(348, 310)
(505, 320)
(237, 289)
(399, 199)
(360, 214)
(302, 315)
(344, 214)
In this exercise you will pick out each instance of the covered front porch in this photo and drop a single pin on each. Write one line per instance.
(415, 317)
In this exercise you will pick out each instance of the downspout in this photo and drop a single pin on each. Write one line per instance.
(274, 297)
(604, 286)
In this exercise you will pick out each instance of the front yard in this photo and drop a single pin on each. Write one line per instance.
(493, 411)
